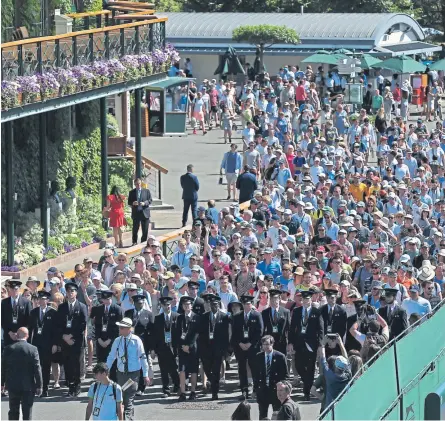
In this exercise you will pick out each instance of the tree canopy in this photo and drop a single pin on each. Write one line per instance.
(265, 35)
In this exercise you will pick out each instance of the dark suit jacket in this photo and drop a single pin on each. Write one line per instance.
(160, 329)
(197, 307)
(145, 197)
(398, 322)
(190, 186)
(48, 337)
(115, 314)
(247, 184)
(278, 370)
(254, 326)
(314, 330)
(289, 411)
(283, 324)
(21, 367)
(143, 326)
(338, 322)
(78, 323)
(24, 308)
(220, 341)
(192, 331)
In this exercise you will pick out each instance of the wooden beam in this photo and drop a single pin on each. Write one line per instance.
(134, 17)
(131, 9)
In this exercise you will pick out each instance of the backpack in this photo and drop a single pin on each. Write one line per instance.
(112, 383)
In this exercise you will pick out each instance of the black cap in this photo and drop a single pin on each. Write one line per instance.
(193, 284)
(185, 299)
(138, 298)
(246, 299)
(307, 294)
(44, 294)
(390, 291)
(106, 293)
(212, 298)
(231, 304)
(14, 283)
(165, 300)
(274, 292)
(71, 285)
(329, 292)
(359, 303)
(175, 267)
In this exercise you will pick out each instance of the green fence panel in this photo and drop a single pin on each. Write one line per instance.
(417, 349)
(329, 416)
(379, 383)
(394, 414)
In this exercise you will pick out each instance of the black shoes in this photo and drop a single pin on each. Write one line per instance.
(182, 397)
(307, 397)
(214, 397)
(44, 394)
(192, 396)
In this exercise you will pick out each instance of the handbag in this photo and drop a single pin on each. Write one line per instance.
(105, 212)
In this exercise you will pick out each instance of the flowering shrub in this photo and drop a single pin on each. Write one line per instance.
(48, 85)
(10, 94)
(85, 77)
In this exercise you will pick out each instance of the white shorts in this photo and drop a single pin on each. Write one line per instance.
(231, 178)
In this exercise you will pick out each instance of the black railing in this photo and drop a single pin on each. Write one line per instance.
(30, 56)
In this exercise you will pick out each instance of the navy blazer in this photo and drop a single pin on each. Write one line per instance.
(190, 186)
(247, 184)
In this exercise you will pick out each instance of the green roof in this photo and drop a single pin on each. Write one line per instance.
(169, 81)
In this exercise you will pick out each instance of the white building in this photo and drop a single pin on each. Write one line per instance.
(204, 37)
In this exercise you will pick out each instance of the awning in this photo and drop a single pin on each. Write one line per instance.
(408, 48)
(170, 81)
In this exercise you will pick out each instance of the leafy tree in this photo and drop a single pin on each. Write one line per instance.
(264, 36)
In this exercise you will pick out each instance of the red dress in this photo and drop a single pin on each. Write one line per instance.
(117, 218)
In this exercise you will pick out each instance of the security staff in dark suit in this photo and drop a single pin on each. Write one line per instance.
(22, 374)
(305, 336)
(165, 349)
(143, 325)
(190, 187)
(198, 305)
(214, 335)
(334, 316)
(140, 200)
(247, 330)
(15, 312)
(271, 368)
(276, 321)
(42, 334)
(104, 317)
(186, 334)
(72, 317)
(393, 314)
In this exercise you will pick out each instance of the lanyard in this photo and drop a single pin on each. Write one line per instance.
(103, 396)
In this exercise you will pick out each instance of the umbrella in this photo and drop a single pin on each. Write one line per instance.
(401, 64)
(343, 51)
(438, 65)
(368, 61)
(230, 64)
(322, 58)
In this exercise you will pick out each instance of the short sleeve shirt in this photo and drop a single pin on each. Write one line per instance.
(107, 407)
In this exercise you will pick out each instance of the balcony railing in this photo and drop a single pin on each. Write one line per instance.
(38, 55)
(91, 20)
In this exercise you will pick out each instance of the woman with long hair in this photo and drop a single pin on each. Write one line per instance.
(115, 207)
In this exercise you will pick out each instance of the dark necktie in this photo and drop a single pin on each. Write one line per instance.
(167, 322)
(331, 314)
(106, 313)
(275, 316)
(268, 367)
(41, 315)
(14, 305)
(306, 317)
(126, 356)
(71, 309)
(246, 318)
(389, 313)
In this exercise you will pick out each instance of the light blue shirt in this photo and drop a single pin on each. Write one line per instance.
(420, 306)
(273, 269)
(332, 231)
(181, 259)
(137, 358)
(104, 400)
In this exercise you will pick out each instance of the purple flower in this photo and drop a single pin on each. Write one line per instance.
(10, 94)
(29, 84)
(84, 244)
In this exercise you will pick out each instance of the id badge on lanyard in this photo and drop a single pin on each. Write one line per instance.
(167, 337)
(303, 330)
(69, 323)
(183, 335)
(39, 330)
(329, 329)
(246, 334)
(14, 319)
(104, 328)
(274, 329)
(96, 411)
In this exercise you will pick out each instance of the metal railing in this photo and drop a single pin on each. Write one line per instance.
(91, 20)
(37, 55)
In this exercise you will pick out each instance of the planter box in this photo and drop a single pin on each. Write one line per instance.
(117, 145)
(44, 266)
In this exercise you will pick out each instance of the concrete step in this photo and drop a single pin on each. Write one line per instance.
(161, 207)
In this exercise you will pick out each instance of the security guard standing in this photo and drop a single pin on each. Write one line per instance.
(143, 326)
(214, 332)
(247, 330)
(334, 316)
(15, 312)
(72, 317)
(197, 302)
(104, 317)
(42, 334)
(186, 334)
(164, 325)
(276, 320)
(393, 314)
(305, 336)
(129, 353)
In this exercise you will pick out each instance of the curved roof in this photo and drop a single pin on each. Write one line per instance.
(307, 25)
